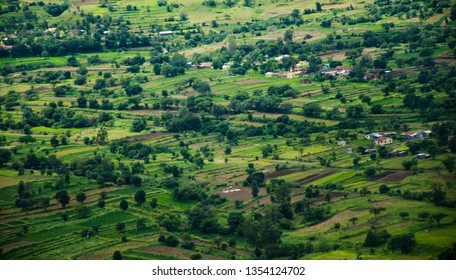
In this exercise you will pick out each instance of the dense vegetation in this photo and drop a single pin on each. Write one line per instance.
(227, 129)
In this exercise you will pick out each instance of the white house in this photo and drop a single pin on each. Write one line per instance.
(165, 33)
(383, 140)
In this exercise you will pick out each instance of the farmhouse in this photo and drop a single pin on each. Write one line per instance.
(417, 135)
(373, 135)
(203, 65)
(383, 140)
(369, 151)
(165, 33)
(343, 71)
(422, 156)
(341, 143)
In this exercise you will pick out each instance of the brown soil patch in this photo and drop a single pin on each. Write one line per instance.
(281, 173)
(397, 177)
(263, 200)
(381, 203)
(380, 176)
(257, 124)
(334, 55)
(250, 81)
(339, 217)
(146, 112)
(10, 246)
(144, 137)
(298, 35)
(243, 194)
(315, 177)
(87, 2)
(171, 251)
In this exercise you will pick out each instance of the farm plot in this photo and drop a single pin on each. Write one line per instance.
(178, 252)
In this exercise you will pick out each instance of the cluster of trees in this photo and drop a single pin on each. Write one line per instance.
(104, 171)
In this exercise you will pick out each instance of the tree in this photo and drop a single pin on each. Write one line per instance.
(288, 36)
(376, 237)
(183, 16)
(448, 162)
(140, 197)
(123, 204)
(133, 89)
(81, 197)
(327, 197)
(138, 125)
(437, 194)
(170, 221)
(117, 255)
(54, 141)
(383, 189)
(404, 215)
(99, 84)
(438, 217)
(408, 164)
(171, 241)
(235, 222)
(376, 210)
(5, 156)
(63, 198)
(153, 203)
(261, 233)
(141, 223)
(405, 243)
(72, 61)
(370, 171)
(120, 227)
(423, 215)
(101, 203)
(355, 111)
(318, 6)
(82, 212)
(249, 3)
(353, 220)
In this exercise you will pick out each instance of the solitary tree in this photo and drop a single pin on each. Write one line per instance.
(140, 197)
(403, 215)
(327, 197)
(353, 220)
(81, 197)
(376, 210)
(63, 198)
(438, 217)
(117, 255)
(123, 204)
(405, 243)
(153, 203)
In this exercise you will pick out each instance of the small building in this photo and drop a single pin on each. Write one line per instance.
(269, 74)
(349, 150)
(426, 133)
(369, 151)
(301, 66)
(204, 65)
(388, 133)
(343, 71)
(394, 153)
(341, 143)
(373, 135)
(383, 140)
(305, 82)
(165, 33)
(422, 156)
